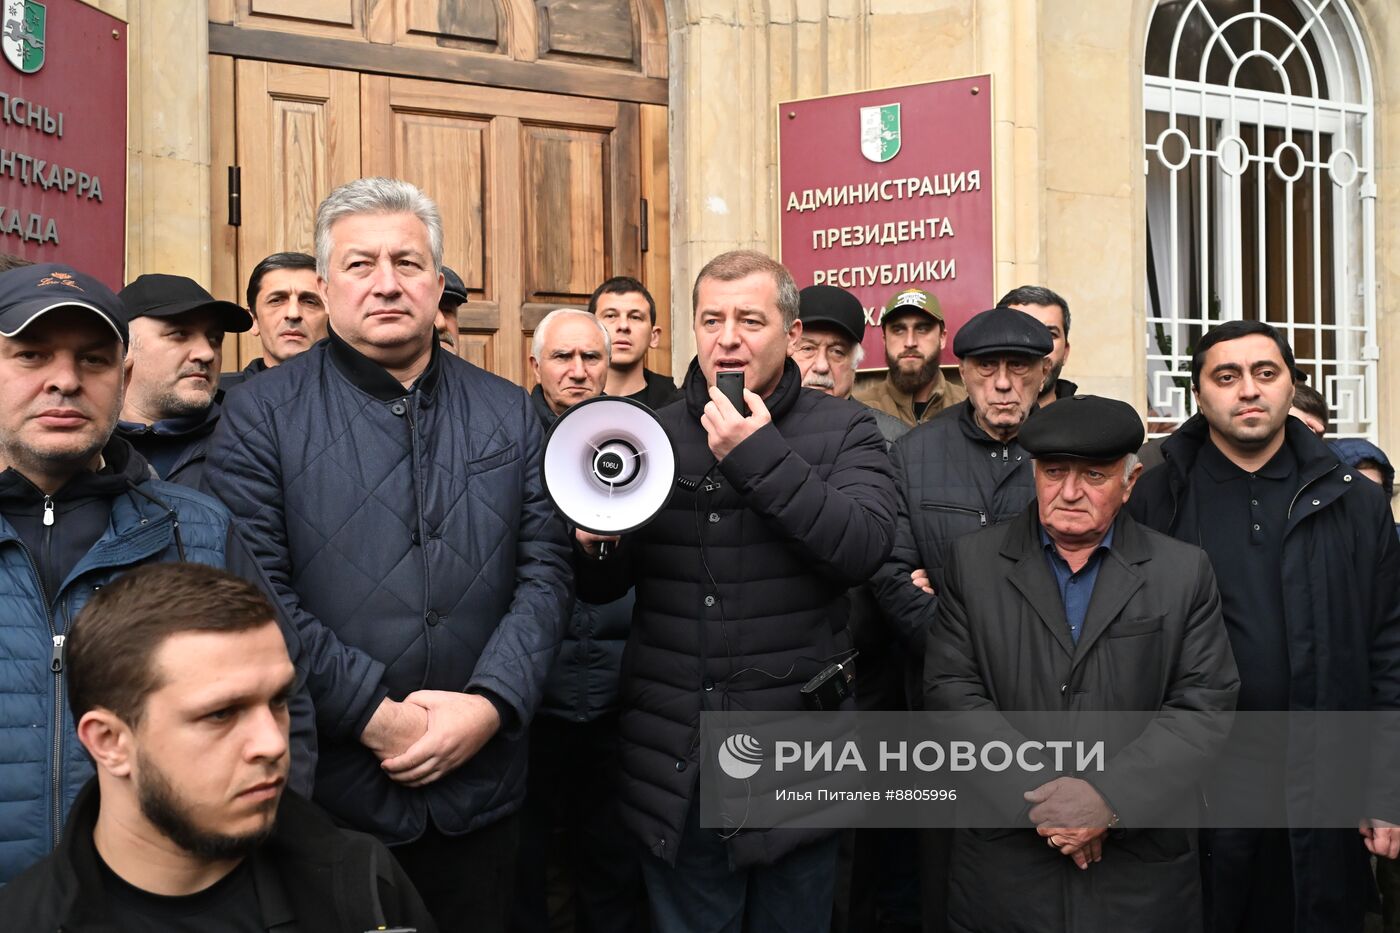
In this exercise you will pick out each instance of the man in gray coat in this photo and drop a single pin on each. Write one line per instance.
(1074, 606)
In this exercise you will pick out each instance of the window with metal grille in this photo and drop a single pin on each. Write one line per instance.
(1260, 194)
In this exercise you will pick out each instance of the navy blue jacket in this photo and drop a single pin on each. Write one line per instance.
(175, 447)
(42, 764)
(408, 536)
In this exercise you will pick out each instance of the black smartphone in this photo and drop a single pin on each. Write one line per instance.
(732, 385)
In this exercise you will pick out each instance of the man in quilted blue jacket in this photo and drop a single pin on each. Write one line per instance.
(392, 494)
(78, 507)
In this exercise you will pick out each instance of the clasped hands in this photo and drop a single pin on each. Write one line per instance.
(430, 734)
(1064, 804)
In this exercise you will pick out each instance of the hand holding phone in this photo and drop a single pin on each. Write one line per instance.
(732, 385)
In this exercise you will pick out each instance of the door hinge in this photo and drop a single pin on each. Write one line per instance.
(645, 227)
(235, 196)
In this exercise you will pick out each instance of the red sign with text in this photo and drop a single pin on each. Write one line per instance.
(891, 189)
(63, 136)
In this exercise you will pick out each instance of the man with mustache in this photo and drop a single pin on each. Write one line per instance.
(172, 372)
(180, 682)
(915, 389)
(829, 350)
(1309, 573)
(288, 310)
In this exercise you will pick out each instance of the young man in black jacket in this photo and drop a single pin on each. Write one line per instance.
(180, 683)
(1309, 575)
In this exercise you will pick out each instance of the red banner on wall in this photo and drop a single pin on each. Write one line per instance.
(63, 136)
(891, 189)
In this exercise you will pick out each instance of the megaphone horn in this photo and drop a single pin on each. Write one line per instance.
(609, 466)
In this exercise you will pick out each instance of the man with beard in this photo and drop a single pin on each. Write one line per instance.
(288, 311)
(172, 372)
(1053, 311)
(180, 683)
(915, 389)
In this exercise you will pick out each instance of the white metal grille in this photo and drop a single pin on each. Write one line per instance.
(1260, 194)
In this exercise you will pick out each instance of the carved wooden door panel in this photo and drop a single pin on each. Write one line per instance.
(540, 196)
(297, 137)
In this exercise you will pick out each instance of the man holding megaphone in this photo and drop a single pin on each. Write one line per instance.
(741, 586)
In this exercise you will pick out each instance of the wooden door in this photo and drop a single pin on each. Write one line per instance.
(540, 197)
(297, 136)
(541, 194)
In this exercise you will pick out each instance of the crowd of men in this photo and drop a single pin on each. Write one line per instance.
(308, 646)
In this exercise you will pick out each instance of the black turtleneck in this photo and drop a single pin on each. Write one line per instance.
(79, 512)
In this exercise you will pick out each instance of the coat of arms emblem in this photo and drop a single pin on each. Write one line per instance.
(22, 34)
(879, 132)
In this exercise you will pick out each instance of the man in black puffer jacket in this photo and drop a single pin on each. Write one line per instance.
(392, 493)
(741, 597)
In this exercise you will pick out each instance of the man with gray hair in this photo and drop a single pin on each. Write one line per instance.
(391, 492)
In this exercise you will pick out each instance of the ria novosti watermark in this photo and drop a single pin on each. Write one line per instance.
(1154, 769)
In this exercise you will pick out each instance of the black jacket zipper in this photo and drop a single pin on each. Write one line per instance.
(940, 507)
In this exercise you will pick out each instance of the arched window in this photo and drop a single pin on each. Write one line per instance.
(1261, 193)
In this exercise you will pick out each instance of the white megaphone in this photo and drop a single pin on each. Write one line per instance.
(609, 466)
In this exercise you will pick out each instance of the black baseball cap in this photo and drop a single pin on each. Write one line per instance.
(159, 295)
(1088, 427)
(453, 288)
(833, 307)
(1003, 330)
(29, 292)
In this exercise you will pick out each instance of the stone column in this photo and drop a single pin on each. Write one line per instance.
(168, 138)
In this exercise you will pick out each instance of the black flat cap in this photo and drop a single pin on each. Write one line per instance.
(1003, 330)
(1089, 427)
(827, 305)
(453, 289)
(157, 295)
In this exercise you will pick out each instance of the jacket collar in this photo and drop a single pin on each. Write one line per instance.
(1117, 581)
(373, 379)
(255, 366)
(122, 467)
(779, 401)
(547, 416)
(973, 431)
(1314, 457)
(904, 401)
(196, 425)
(300, 834)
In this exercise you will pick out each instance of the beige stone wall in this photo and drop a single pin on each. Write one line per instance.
(1068, 137)
(167, 136)
(167, 199)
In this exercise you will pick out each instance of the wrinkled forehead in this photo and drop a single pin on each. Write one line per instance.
(823, 336)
